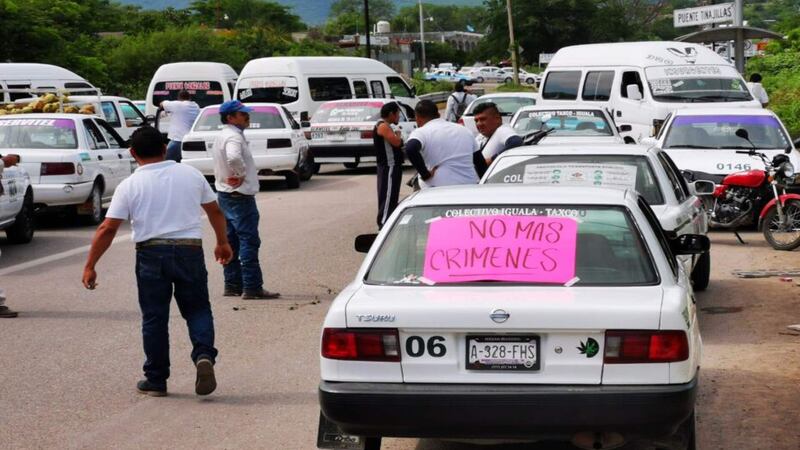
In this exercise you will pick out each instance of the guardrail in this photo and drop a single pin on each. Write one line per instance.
(441, 97)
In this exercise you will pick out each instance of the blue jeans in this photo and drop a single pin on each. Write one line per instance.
(159, 270)
(244, 270)
(174, 151)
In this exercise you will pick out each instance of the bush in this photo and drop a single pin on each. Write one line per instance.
(511, 87)
(780, 69)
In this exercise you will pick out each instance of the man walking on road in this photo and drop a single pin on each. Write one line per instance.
(441, 151)
(457, 103)
(389, 158)
(494, 137)
(182, 113)
(237, 185)
(5, 311)
(164, 201)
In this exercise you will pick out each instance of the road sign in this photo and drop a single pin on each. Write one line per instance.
(374, 40)
(545, 58)
(690, 17)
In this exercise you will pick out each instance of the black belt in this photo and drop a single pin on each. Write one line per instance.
(236, 194)
(171, 242)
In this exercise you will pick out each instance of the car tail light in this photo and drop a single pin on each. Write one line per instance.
(58, 168)
(366, 134)
(379, 344)
(308, 135)
(637, 347)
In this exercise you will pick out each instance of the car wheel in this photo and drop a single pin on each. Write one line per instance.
(96, 201)
(479, 79)
(508, 80)
(316, 167)
(702, 272)
(24, 224)
(306, 170)
(352, 165)
(292, 180)
(530, 81)
(372, 443)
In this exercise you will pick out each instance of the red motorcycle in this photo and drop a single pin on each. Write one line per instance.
(759, 197)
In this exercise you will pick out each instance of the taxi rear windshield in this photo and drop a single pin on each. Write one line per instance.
(204, 93)
(615, 171)
(513, 244)
(564, 123)
(261, 118)
(38, 134)
(348, 112)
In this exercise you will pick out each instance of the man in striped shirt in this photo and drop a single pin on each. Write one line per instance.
(389, 157)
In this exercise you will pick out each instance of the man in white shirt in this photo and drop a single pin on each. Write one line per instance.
(6, 161)
(237, 185)
(457, 103)
(758, 90)
(164, 202)
(493, 138)
(441, 151)
(182, 114)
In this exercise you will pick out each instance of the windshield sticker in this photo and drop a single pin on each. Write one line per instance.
(407, 218)
(501, 248)
(289, 92)
(563, 113)
(661, 86)
(247, 93)
(351, 105)
(598, 175)
(767, 121)
(57, 123)
(188, 85)
(275, 82)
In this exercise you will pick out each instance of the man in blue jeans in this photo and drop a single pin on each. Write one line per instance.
(164, 202)
(237, 184)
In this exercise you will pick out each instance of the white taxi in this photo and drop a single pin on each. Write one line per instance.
(16, 205)
(704, 144)
(341, 130)
(74, 161)
(278, 145)
(570, 124)
(514, 313)
(650, 171)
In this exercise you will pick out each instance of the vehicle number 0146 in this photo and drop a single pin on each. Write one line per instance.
(729, 166)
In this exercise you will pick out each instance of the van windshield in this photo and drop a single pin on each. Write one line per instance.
(696, 84)
(204, 93)
(280, 90)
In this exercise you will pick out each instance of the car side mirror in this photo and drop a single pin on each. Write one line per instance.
(633, 92)
(364, 242)
(703, 187)
(796, 143)
(648, 141)
(624, 128)
(690, 244)
(305, 124)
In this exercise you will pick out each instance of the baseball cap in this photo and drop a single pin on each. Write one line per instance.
(232, 106)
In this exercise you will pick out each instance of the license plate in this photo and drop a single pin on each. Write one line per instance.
(502, 352)
(353, 135)
(335, 136)
(330, 436)
(317, 135)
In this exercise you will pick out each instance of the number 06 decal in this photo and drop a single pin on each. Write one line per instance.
(416, 346)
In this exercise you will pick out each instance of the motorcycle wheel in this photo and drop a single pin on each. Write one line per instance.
(783, 236)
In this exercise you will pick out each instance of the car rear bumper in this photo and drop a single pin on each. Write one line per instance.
(61, 194)
(481, 411)
(337, 153)
(264, 163)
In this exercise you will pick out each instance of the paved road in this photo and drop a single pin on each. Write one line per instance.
(70, 362)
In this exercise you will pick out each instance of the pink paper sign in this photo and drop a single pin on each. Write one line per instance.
(531, 249)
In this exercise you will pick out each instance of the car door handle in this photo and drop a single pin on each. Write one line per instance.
(120, 155)
(619, 113)
(100, 157)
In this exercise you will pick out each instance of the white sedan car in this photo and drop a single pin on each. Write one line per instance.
(704, 144)
(278, 145)
(524, 77)
(74, 161)
(16, 205)
(342, 130)
(649, 171)
(568, 124)
(514, 313)
(508, 103)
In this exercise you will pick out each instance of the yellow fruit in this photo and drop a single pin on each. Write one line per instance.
(50, 98)
(71, 110)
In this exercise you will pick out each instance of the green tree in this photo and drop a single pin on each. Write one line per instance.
(245, 13)
(347, 16)
(439, 18)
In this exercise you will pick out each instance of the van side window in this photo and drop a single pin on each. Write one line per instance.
(80, 85)
(562, 85)
(631, 78)
(398, 87)
(361, 89)
(18, 95)
(597, 86)
(325, 89)
(110, 114)
(377, 89)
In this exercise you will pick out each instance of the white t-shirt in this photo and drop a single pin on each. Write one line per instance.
(232, 157)
(449, 148)
(162, 200)
(497, 142)
(182, 115)
(758, 92)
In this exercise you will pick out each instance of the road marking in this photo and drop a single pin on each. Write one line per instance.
(56, 257)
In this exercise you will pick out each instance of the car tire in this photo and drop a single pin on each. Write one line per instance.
(292, 180)
(24, 224)
(372, 443)
(702, 272)
(352, 165)
(508, 80)
(316, 168)
(306, 170)
(530, 81)
(479, 79)
(96, 198)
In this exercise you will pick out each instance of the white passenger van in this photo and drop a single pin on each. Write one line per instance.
(15, 76)
(639, 83)
(302, 84)
(210, 83)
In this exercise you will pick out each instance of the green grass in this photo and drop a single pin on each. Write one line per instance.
(511, 87)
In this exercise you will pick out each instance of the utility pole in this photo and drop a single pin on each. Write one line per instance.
(512, 43)
(738, 21)
(366, 27)
(422, 35)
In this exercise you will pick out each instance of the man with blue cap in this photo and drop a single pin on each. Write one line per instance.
(237, 184)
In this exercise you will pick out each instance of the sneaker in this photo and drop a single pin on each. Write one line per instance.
(206, 381)
(261, 294)
(7, 313)
(147, 387)
(232, 292)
